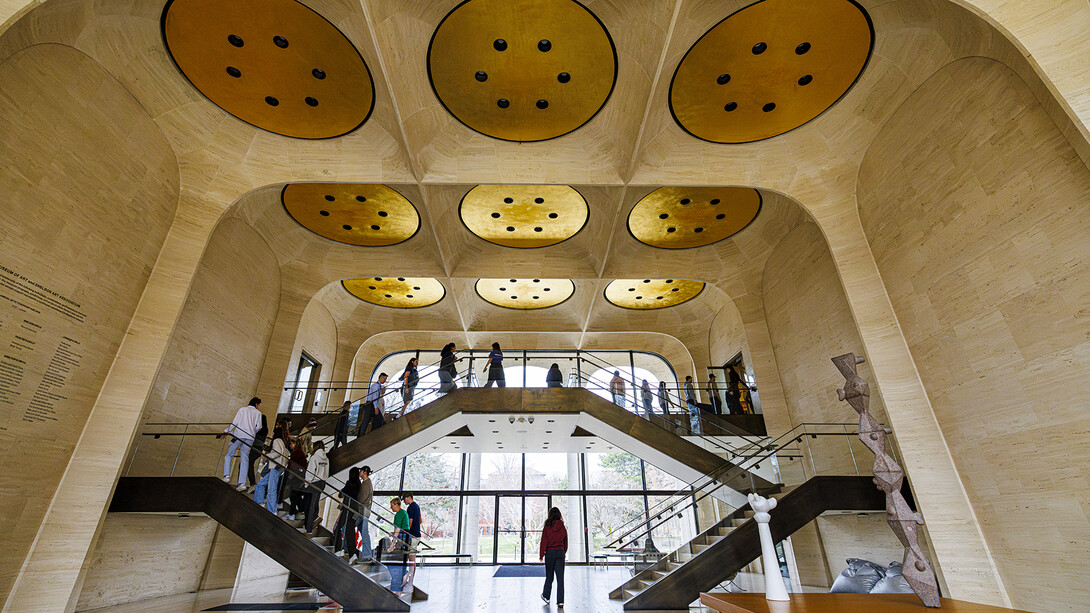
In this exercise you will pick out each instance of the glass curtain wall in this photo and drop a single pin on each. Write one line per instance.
(493, 505)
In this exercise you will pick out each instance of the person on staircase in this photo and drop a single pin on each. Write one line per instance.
(399, 544)
(371, 410)
(645, 393)
(494, 367)
(554, 378)
(553, 548)
(340, 431)
(713, 395)
(447, 370)
(664, 398)
(296, 478)
(243, 429)
(409, 379)
(734, 391)
(317, 473)
(255, 451)
(694, 410)
(367, 494)
(276, 458)
(344, 530)
(616, 387)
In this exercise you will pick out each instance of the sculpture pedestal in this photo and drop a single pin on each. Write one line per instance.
(754, 602)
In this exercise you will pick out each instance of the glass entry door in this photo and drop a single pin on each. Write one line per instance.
(518, 528)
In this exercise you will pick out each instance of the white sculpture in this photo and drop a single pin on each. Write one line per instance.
(774, 587)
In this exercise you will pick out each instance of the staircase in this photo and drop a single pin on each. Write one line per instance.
(355, 587)
(730, 545)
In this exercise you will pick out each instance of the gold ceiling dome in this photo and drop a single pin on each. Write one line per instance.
(396, 292)
(644, 294)
(684, 217)
(358, 214)
(522, 70)
(525, 293)
(524, 216)
(770, 68)
(275, 64)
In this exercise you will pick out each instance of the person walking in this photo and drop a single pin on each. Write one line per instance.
(344, 530)
(494, 367)
(243, 429)
(694, 411)
(296, 478)
(317, 473)
(734, 391)
(554, 546)
(413, 511)
(367, 494)
(399, 543)
(616, 387)
(447, 371)
(340, 431)
(371, 410)
(713, 395)
(554, 378)
(409, 380)
(664, 398)
(255, 451)
(645, 393)
(267, 490)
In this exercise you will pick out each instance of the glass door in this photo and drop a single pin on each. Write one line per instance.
(518, 528)
(303, 379)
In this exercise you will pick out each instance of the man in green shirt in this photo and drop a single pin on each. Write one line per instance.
(401, 541)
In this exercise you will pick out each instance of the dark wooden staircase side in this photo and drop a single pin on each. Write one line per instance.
(676, 585)
(256, 525)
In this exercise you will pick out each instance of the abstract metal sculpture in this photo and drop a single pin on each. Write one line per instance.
(889, 476)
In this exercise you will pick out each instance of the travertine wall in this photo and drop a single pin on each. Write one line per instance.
(809, 321)
(143, 556)
(317, 336)
(85, 202)
(978, 218)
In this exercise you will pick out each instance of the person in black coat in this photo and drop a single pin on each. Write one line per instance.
(554, 378)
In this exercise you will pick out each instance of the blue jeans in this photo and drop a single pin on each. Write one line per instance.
(554, 567)
(694, 418)
(366, 551)
(397, 564)
(243, 459)
(267, 487)
(618, 399)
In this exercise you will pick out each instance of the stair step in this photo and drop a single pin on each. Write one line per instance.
(323, 540)
(714, 539)
(698, 548)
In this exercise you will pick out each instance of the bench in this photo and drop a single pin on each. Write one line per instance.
(421, 558)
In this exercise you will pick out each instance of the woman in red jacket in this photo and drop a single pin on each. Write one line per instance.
(554, 544)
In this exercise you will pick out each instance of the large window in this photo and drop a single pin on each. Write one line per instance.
(493, 505)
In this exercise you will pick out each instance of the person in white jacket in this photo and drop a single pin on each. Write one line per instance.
(242, 430)
(317, 473)
(268, 487)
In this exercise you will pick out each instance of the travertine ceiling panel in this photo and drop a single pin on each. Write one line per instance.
(469, 255)
(568, 315)
(447, 150)
(770, 68)
(522, 70)
(275, 64)
(366, 215)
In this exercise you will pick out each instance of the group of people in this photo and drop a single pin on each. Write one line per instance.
(735, 384)
(288, 469)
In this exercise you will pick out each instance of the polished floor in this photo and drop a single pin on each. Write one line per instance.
(450, 590)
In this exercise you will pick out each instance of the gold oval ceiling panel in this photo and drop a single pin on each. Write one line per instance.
(770, 68)
(525, 293)
(644, 294)
(684, 217)
(524, 216)
(367, 215)
(396, 292)
(522, 70)
(275, 64)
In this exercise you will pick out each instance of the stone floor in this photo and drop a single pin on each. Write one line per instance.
(450, 589)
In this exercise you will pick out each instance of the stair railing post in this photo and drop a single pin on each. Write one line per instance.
(809, 450)
(848, 440)
(181, 441)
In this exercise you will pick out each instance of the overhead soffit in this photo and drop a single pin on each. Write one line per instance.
(396, 292)
(644, 294)
(685, 217)
(524, 216)
(770, 68)
(522, 70)
(366, 215)
(525, 293)
(275, 64)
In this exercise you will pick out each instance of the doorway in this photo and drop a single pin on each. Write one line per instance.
(518, 528)
(304, 395)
